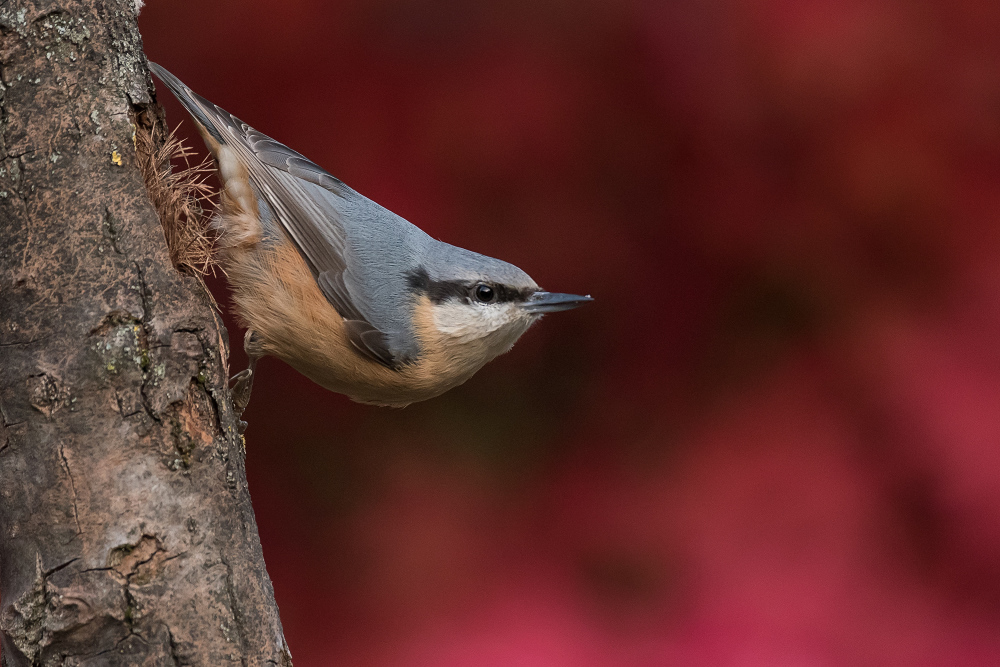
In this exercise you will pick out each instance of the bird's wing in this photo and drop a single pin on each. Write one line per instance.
(312, 223)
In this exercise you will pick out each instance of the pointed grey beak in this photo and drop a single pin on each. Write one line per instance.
(549, 302)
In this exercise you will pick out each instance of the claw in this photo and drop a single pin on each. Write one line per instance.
(242, 382)
(241, 387)
(242, 375)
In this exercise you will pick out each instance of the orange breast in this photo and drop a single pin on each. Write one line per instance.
(276, 295)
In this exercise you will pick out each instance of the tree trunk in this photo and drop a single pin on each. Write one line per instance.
(126, 531)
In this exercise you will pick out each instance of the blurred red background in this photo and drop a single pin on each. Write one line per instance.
(774, 439)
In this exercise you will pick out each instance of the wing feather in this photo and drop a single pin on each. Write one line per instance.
(314, 227)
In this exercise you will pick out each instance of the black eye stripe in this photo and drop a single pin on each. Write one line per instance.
(505, 294)
(437, 291)
(440, 291)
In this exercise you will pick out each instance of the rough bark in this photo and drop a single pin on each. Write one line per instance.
(126, 532)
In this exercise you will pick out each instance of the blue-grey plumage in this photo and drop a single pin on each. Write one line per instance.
(347, 292)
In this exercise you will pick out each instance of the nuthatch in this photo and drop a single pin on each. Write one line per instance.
(348, 293)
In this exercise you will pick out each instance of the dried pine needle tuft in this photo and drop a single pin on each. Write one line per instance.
(182, 198)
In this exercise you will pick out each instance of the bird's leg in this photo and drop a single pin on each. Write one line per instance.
(242, 382)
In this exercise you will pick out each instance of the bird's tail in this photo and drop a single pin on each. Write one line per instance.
(205, 114)
(238, 222)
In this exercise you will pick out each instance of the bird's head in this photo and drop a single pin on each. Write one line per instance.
(479, 304)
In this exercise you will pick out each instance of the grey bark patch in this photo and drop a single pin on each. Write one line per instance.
(45, 393)
(22, 622)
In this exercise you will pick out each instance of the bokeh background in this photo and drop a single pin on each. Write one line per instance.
(774, 439)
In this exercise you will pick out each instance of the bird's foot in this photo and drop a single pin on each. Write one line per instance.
(241, 384)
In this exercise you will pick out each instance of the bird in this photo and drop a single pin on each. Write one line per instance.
(346, 292)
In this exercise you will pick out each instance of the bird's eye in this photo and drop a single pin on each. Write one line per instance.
(484, 293)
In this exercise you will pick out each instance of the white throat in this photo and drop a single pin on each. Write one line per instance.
(501, 323)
